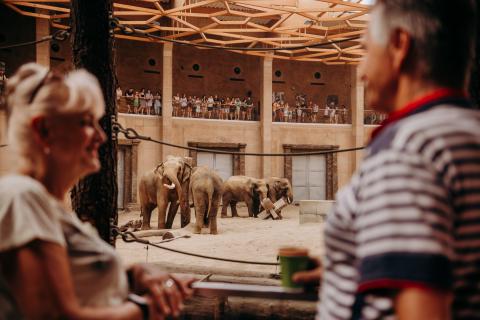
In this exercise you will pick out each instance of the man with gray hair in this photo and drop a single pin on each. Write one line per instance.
(403, 239)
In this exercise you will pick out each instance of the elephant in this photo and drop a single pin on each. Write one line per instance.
(241, 188)
(206, 188)
(167, 184)
(279, 188)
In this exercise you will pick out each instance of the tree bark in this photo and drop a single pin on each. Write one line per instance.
(94, 198)
(475, 77)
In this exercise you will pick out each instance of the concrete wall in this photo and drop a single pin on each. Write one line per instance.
(134, 62)
(298, 77)
(149, 154)
(217, 72)
(221, 131)
(186, 130)
(15, 28)
(339, 135)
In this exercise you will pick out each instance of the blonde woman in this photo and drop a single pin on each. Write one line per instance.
(55, 265)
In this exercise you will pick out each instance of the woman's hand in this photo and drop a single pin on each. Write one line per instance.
(312, 276)
(166, 291)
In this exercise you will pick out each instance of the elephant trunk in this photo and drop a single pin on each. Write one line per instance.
(173, 178)
(289, 196)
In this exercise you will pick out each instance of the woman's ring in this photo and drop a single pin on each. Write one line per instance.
(169, 283)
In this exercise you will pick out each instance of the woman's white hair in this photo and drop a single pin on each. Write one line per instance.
(33, 92)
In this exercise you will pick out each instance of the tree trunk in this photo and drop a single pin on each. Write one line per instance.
(94, 198)
(475, 78)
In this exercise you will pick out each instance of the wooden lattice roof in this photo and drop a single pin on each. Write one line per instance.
(327, 31)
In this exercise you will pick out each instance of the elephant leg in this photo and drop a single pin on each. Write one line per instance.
(213, 216)
(233, 207)
(199, 216)
(172, 211)
(224, 210)
(146, 213)
(225, 203)
(249, 203)
(162, 210)
(185, 214)
(185, 206)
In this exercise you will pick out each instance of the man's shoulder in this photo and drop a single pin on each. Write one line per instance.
(442, 125)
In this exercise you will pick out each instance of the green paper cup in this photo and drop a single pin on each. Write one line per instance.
(292, 260)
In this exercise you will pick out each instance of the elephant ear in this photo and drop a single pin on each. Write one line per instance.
(254, 190)
(159, 169)
(187, 172)
(255, 198)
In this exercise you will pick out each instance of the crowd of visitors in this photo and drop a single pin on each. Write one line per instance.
(309, 113)
(373, 117)
(146, 102)
(141, 102)
(214, 107)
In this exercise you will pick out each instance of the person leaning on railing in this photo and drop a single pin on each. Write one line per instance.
(402, 240)
(57, 267)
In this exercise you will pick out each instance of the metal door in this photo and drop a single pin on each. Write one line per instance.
(221, 163)
(309, 177)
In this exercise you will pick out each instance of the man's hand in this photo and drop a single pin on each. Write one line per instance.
(312, 276)
(166, 291)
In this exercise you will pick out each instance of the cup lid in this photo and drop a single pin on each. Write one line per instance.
(293, 252)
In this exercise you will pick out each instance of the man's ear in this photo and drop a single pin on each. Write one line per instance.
(400, 47)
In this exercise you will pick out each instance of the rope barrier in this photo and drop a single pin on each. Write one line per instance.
(129, 30)
(59, 35)
(132, 134)
(131, 237)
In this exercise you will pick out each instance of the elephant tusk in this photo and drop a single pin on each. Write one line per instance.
(171, 186)
(289, 200)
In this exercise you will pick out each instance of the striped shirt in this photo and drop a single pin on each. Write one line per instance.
(409, 217)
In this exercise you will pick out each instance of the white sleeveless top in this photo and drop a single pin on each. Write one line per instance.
(28, 212)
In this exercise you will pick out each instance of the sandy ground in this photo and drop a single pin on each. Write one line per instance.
(239, 238)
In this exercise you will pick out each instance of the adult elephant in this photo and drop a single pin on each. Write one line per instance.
(279, 188)
(206, 188)
(241, 188)
(166, 185)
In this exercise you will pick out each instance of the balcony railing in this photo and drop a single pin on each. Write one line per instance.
(308, 115)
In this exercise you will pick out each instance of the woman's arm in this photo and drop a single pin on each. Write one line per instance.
(423, 303)
(168, 290)
(40, 278)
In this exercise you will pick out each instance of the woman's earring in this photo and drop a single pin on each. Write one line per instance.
(46, 150)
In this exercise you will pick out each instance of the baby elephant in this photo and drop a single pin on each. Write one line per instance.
(252, 191)
(206, 190)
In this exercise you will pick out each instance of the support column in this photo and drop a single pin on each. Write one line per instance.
(42, 29)
(167, 97)
(358, 127)
(266, 115)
